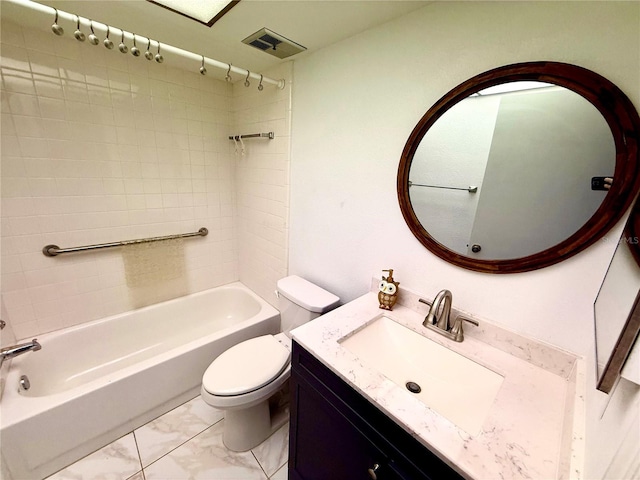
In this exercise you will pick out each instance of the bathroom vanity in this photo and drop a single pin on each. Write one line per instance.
(336, 433)
(353, 417)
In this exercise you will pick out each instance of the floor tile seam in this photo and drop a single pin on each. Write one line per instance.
(168, 412)
(259, 464)
(285, 466)
(132, 476)
(96, 451)
(278, 470)
(135, 440)
(263, 468)
(280, 466)
(208, 426)
(178, 446)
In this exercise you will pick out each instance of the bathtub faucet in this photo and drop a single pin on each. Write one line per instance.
(15, 350)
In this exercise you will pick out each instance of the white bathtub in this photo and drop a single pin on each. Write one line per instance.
(95, 382)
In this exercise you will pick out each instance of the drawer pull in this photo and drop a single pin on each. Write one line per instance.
(372, 471)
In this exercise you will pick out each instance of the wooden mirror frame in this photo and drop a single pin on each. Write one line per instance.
(611, 102)
(631, 328)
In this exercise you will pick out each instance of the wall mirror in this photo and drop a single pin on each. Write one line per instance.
(505, 172)
(617, 306)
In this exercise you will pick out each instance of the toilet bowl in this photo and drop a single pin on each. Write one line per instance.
(241, 381)
(244, 380)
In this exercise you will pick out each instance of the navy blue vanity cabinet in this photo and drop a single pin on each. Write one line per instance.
(336, 434)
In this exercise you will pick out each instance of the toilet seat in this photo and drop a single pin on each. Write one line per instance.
(246, 367)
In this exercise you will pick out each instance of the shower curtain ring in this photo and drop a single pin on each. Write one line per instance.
(246, 80)
(55, 28)
(93, 39)
(203, 71)
(159, 58)
(228, 75)
(260, 86)
(122, 47)
(78, 33)
(148, 55)
(107, 42)
(135, 51)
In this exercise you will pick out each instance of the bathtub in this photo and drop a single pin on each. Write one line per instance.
(93, 383)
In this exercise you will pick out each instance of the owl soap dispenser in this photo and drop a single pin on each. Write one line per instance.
(388, 293)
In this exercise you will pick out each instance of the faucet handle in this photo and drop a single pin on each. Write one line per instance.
(426, 302)
(456, 330)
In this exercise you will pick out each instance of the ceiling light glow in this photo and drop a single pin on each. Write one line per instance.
(202, 11)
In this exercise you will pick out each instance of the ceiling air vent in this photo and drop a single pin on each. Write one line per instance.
(273, 43)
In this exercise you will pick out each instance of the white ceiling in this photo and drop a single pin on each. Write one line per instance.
(313, 24)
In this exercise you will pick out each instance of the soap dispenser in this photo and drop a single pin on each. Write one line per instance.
(388, 294)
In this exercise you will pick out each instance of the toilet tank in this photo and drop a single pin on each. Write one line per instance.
(300, 301)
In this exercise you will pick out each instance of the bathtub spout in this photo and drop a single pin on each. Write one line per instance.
(15, 350)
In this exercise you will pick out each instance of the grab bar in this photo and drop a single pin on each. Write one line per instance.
(269, 135)
(53, 250)
(470, 189)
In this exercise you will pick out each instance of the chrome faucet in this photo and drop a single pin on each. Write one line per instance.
(440, 321)
(15, 350)
(444, 298)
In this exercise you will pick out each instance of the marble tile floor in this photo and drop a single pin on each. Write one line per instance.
(183, 444)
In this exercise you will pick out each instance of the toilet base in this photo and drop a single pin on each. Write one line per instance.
(247, 428)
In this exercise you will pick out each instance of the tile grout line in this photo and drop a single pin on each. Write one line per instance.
(158, 417)
(135, 439)
(178, 446)
(259, 464)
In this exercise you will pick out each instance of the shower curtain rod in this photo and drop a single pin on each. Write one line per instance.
(166, 48)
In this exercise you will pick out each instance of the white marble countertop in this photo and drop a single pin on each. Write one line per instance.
(533, 428)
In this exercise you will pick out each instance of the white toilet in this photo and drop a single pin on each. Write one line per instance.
(242, 379)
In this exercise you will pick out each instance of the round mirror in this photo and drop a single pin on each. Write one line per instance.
(520, 167)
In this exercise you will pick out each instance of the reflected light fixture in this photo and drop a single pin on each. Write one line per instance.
(516, 86)
(206, 12)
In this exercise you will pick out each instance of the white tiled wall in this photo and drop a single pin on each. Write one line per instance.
(263, 182)
(98, 146)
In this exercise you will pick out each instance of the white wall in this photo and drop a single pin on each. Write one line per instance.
(263, 182)
(354, 106)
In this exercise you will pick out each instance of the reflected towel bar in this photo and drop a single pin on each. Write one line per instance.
(269, 135)
(470, 189)
(53, 250)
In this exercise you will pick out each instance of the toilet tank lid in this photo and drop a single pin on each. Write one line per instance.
(306, 294)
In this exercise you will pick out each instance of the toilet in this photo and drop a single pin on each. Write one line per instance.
(245, 379)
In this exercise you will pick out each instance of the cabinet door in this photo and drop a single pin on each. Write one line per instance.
(329, 446)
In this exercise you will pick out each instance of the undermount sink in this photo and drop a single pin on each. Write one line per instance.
(456, 387)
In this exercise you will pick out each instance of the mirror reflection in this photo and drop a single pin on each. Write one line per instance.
(507, 172)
